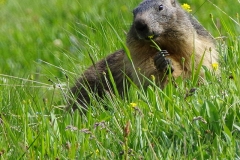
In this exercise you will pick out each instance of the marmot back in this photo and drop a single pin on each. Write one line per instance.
(176, 32)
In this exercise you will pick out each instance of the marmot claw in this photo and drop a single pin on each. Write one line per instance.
(162, 63)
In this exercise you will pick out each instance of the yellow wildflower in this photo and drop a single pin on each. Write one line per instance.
(97, 151)
(133, 104)
(215, 66)
(186, 7)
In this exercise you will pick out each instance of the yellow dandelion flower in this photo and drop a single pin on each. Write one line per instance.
(186, 7)
(215, 66)
(133, 104)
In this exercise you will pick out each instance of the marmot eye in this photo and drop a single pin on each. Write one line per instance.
(160, 7)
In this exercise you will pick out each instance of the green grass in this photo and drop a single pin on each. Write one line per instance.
(44, 46)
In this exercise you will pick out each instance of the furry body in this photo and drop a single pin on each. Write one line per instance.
(172, 29)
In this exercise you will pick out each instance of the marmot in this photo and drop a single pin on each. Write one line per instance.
(176, 32)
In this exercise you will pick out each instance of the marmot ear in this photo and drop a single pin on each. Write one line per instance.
(173, 3)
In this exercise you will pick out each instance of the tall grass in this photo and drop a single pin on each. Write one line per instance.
(45, 45)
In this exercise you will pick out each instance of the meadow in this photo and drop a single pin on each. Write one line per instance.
(45, 46)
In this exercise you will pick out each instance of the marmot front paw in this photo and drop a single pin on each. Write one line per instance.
(162, 63)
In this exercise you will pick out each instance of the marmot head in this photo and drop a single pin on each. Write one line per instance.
(158, 18)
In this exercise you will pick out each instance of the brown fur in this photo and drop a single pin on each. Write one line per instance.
(173, 29)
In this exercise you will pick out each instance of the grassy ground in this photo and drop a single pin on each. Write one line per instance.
(44, 45)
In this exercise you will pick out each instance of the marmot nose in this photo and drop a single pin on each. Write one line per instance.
(141, 27)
